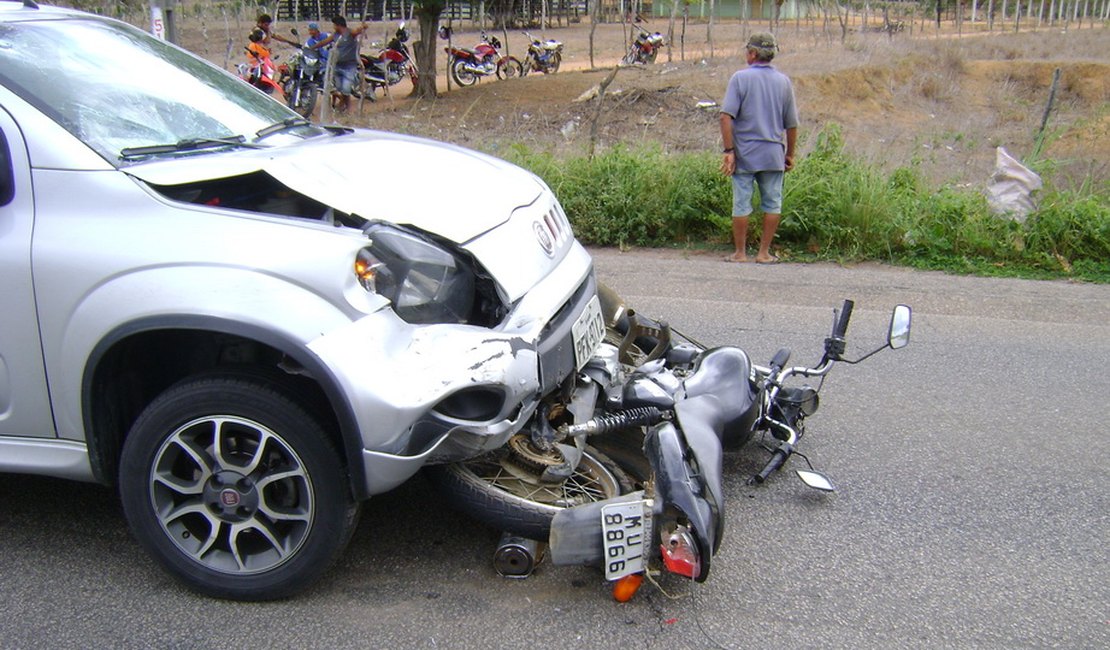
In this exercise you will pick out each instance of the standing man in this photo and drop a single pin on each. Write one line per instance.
(346, 59)
(759, 126)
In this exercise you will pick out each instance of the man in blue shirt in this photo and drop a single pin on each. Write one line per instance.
(759, 126)
(314, 37)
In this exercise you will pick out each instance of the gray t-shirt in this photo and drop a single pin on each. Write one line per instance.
(760, 100)
(346, 50)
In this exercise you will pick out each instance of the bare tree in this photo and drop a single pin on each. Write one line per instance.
(709, 27)
(427, 14)
(670, 30)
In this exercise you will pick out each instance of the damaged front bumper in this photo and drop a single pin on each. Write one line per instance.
(441, 393)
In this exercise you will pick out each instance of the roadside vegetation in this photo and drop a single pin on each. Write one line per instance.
(837, 207)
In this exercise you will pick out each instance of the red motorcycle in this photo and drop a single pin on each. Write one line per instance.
(259, 69)
(392, 64)
(467, 65)
(645, 48)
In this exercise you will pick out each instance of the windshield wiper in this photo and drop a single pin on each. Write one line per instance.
(284, 125)
(189, 144)
(296, 123)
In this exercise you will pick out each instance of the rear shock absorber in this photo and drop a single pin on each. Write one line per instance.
(620, 421)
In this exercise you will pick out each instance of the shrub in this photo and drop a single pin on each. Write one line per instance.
(835, 207)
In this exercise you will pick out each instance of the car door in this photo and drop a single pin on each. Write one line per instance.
(24, 403)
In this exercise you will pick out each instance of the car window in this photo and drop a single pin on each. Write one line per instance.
(7, 179)
(115, 87)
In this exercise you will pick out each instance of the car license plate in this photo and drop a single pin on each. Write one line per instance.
(626, 533)
(587, 332)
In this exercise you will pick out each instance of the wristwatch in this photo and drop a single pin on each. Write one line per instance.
(729, 150)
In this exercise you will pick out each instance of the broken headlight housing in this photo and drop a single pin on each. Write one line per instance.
(426, 282)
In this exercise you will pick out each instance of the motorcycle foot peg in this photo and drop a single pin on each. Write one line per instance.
(516, 557)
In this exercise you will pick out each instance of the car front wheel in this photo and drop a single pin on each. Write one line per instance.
(234, 488)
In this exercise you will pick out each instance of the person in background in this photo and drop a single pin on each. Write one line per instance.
(759, 127)
(346, 59)
(265, 23)
(261, 64)
(316, 36)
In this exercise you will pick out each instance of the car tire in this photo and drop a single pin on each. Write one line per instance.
(478, 489)
(231, 484)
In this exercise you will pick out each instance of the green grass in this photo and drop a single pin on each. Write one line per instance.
(836, 207)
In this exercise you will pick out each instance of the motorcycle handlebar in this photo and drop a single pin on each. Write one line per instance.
(778, 362)
(841, 327)
(777, 459)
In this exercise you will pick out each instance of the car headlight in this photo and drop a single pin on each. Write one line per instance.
(425, 282)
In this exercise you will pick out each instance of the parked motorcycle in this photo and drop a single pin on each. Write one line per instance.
(302, 78)
(543, 56)
(468, 65)
(392, 64)
(623, 470)
(645, 48)
(259, 69)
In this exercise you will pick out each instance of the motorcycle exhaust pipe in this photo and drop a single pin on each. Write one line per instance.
(516, 557)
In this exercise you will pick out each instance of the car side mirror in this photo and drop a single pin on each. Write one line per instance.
(899, 336)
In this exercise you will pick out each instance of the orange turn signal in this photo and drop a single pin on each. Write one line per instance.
(625, 588)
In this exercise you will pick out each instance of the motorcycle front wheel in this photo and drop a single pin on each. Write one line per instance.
(494, 492)
(305, 101)
(461, 75)
(509, 67)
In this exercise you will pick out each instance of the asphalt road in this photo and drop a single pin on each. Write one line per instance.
(972, 509)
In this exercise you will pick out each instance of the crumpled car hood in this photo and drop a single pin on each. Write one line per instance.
(453, 192)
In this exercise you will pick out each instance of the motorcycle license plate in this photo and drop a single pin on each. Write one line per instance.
(587, 332)
(626, 533)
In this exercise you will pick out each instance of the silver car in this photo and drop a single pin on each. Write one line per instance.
(222, 309)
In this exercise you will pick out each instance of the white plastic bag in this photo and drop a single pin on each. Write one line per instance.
(1010, 190)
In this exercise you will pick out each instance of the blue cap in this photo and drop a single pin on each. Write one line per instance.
(314, 26)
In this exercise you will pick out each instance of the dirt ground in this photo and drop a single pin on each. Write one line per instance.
(939, 100)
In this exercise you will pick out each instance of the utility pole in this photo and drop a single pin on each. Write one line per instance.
(163, 20)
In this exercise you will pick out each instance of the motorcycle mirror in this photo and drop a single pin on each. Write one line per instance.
(294, 32)
(816, 480)
(899, 336)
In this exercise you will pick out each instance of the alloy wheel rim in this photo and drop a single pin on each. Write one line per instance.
(232, 495)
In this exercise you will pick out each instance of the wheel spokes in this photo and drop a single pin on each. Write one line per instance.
(232, 494)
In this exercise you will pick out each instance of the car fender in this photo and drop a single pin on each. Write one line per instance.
(166, 297)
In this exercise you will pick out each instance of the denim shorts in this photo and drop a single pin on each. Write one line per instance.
(770, 192)
(345, 77)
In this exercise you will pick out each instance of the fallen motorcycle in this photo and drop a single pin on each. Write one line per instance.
(645, 48)
(468, 65)
(543, 56)
(623, 470)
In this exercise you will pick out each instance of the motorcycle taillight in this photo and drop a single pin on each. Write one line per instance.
(680, 552)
